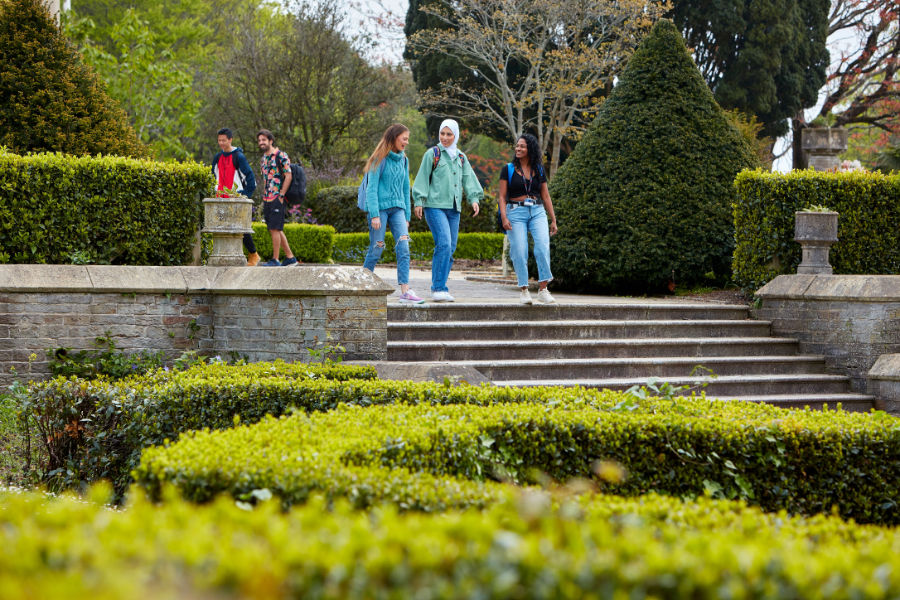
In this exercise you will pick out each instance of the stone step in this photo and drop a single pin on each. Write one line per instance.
(733, 386)
(454, 311)
(849, 402)
(644, 368)
(516, 331)
(609, 348)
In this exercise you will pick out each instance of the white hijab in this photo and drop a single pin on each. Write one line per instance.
(453, 126)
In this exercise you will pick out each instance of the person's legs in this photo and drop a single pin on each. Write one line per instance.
(252, 255)
(396, 219)
(276, 243)
(273, 213)
(453, 222)
(439, 225)
(284, 244)
(376, 243)
(518, 217)
(540, 233)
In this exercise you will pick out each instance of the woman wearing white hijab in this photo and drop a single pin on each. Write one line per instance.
(444, 178)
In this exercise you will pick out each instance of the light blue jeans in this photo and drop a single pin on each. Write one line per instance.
(444, 226)
(395, 218)
(525, 220)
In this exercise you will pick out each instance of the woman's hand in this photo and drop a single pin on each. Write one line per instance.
(506, 224)
(418, 210)
(474, 209)
(376, 223)
(553, 229)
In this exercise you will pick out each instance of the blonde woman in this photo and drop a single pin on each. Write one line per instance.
(387, 204)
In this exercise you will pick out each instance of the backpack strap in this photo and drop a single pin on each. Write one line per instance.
(510, 169)
(437, 157)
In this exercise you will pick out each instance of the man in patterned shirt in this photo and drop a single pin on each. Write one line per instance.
(276, 172)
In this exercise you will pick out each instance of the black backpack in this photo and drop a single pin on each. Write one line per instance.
(296, 194)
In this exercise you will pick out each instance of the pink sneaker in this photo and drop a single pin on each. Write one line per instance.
(410, 298)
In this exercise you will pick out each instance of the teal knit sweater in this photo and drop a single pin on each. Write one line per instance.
(388, 185)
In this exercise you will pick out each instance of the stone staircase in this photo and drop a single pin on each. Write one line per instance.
(616, 346)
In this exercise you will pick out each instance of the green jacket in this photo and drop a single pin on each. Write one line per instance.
(444, 185)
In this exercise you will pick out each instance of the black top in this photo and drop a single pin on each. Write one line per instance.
(519, 186)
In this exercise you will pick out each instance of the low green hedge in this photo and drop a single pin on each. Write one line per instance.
(352, 247)
(309, 243)
(104, 209)
(96, 429)
(428, 458)
(336, 206)
(868, 226)
(529, 545)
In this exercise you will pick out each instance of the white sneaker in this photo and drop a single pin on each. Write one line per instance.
(442, 297)
(544, 297)
(525, 297)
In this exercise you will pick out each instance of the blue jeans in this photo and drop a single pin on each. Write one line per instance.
(395, 218)
(444, 226)
(525, 220)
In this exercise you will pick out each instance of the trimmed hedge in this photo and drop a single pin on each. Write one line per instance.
(96, 429)
(336, 206)
(117, 210)
(429, 458)
(530, 545)
(352, 247)
(868, 226)
(310, 243)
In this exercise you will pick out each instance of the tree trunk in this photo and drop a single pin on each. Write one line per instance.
(799, 157)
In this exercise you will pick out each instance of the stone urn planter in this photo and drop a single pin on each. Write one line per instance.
(822, 146)
(816, 231)
(227, 219)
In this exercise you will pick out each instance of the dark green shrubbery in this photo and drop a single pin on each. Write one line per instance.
(310, 243)
(868, 226)
(50, 100)
(352, 247)
(336, 206)
(61, 209)
(646, 196)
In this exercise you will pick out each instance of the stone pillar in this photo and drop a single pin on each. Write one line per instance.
(822, 146)
(815, 232)
(884, 383)
(53, 7)
(227, 219)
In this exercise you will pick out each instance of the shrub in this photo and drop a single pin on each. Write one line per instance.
(105, 209)
(352, 247)
(530, 545)
(868, 226)
(336, 206)
(425, 457)
(96, 429)
(645, 197)
(310, 243)
(50, 100)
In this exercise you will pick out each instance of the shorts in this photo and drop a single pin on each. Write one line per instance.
(273, 214)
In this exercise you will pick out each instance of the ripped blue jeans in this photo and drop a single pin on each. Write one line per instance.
(395, 218)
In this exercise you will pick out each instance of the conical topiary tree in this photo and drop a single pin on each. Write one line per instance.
(49, 99)
(645, 198)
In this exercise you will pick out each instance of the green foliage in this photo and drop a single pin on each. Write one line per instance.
(117, 210)
(804, 462)
(868, 226)
(766, 58)
(645, 197)
(105, 361)
(352, 247)
(531, 545)
(336, 206)
(50, 101)
(310, 243)
(96, 429)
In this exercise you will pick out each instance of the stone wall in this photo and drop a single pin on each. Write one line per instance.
(850, 319)
(259, 314)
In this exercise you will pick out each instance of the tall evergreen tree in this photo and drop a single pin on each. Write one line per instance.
(49, 99)
(645, 198)
(764, 57)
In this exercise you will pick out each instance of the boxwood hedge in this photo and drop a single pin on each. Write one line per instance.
(106, 209)
(530, 545)
(309, 243)
(868, 226)
(352, 247)
(427, 457)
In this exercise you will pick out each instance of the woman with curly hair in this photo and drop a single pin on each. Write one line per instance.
(528, 209)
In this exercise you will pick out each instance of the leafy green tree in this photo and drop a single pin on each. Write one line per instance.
(152, 82)
(644, 201)
(763, 57)
(49, 99)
